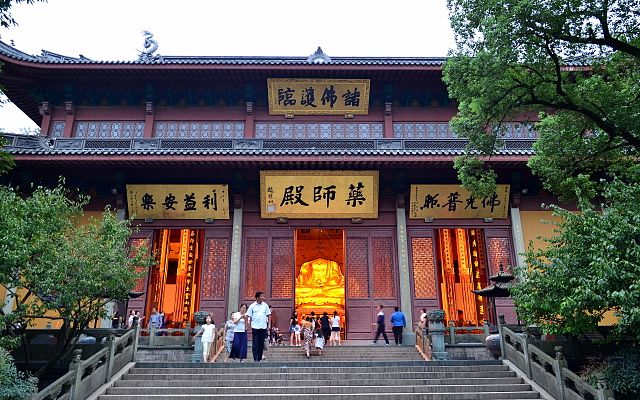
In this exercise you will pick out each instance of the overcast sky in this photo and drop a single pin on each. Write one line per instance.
(111, 30)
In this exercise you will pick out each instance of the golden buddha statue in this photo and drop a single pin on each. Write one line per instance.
(320, 281)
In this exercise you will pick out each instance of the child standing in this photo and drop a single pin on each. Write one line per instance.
(296, 333)
(208, 332)
(229, 329)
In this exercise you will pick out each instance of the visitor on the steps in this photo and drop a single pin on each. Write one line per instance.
(398, 322)
(229, 331)
(334, 340)
(293, 322)
(380, 323)
(207, 331)
(239, 347)
(260, 319)
(307, 335)
(326, 326)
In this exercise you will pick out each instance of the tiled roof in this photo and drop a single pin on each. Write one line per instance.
(31, 145)
(48, 57)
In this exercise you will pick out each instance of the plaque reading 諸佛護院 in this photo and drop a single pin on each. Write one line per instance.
(318, 96)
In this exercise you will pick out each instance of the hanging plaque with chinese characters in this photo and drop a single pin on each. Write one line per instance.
(318, 96)
(178, 201)
(319, 194)
(452, 201)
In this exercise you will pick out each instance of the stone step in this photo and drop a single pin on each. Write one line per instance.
(326, 375)
(313, 390)
(311, 367)
(368, 396)
(327, 382)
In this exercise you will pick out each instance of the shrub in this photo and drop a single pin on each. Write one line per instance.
(621, 373)
(14, 385)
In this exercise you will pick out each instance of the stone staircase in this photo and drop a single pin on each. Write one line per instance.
(366, 372)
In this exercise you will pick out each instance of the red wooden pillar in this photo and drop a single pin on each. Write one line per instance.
(69, 119)
(388, 121)
(45, 111)
(149, 119)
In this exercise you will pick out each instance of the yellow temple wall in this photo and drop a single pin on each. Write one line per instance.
(533, 229)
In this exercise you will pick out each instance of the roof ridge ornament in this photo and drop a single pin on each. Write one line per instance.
(319, 57)
(150, 47)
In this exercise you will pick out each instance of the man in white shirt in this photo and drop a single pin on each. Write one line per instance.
(260, 317)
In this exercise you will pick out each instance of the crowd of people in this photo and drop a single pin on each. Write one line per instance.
(310, 332)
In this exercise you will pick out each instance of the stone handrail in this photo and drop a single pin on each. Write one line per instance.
(423, 344)
(163, 338)
(453, 335)
(550, 373)
(60, 389)
(85, 376)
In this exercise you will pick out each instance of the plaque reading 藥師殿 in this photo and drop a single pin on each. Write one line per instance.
(319, 194)
(318, 96)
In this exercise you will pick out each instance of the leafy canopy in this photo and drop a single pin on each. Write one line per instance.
(571, 70)
(58, 269)
(574, 66)
(591, 266)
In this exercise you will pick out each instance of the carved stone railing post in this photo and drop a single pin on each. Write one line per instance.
(527, 355)
(75, 365)
(501, 323)
(558, 363)
(199, 317)
(436, 329)
(604, 393)
(111, 340)
(452, 332)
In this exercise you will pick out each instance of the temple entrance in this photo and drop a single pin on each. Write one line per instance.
(461, 268)
(173, 287)
(320, 272)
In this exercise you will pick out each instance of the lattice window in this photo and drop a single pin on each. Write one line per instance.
(109, 129)
(357, 268)
(199, 129)
(282, 268)
(424, 276)
(255, 274)
(57, 129)
(319, 131)
(140, 243)
(423, 130)
(498, 253)
(383, 269)
(214, 268)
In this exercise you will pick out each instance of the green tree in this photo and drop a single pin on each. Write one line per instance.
(51, 263)
(573, 65)
(591, 266)
(570, 69)
(6, 19)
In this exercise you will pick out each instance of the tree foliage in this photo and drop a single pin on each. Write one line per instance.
(591, 266)
(58, 269)
(14, 385)
(6, 19)
(574, 66)
(571, 70)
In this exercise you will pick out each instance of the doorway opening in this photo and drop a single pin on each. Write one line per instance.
(320, 272)
(173, 287)
(462, 268)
